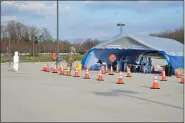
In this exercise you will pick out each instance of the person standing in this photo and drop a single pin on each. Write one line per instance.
(141, 64)
(144, 64)
(121, 64)
(16, 61)
(150, 65)
(118, 63)
(70, 61)
(125, 63)
(147, 65)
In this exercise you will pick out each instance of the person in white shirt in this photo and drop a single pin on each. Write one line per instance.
(16, 61)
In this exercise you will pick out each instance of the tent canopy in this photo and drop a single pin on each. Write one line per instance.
(135, 45)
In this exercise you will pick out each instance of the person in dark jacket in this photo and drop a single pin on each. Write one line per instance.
(100, 62)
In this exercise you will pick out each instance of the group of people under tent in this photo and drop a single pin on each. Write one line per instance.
(144, 65)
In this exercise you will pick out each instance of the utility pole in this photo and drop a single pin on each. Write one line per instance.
(33, 46)
(57, 27)
(8, 37)
(120, 25)
(9, 55)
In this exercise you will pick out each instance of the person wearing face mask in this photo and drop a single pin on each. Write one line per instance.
(16, 61)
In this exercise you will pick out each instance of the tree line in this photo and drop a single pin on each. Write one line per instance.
(24, 38)
(176, 34)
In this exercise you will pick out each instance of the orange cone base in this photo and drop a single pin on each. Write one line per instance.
(182, 81)
(47, 71)
(120, 83)
(54, 72)
(154, 88)
(129, 76)
(163, 80)
(100, 80)
(62, 73)
(68, 75)
(86, 78)
(76, 76)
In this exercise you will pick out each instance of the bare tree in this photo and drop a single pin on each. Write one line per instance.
(176, 34)
(45, 35)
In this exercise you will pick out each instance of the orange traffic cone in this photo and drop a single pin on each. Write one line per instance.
(163, 76)
(47, 68)
(55, 69)
(120, 79)
(103, 70)
(127, 69)
(128, 73)
(106, 69)
(178, 74)
(44, 68)
(87, 74)
(62, 70)
(117, 69)
(100, 77)
(111, 71)
(155, 83)
(76, 73)
(68, 72)
(52, 68)
(182, 79)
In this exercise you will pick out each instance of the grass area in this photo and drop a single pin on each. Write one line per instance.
(46, 58)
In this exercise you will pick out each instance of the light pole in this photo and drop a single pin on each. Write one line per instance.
(33, 38)
(9, 55)
(121, 25)
(8, 37)
(57, 27)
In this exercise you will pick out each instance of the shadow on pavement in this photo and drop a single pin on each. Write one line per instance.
(115, 92)
(130, 93)
(106, 93)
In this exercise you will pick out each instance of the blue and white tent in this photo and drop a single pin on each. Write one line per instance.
(134, 46)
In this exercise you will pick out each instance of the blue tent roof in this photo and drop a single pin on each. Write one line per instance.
(172, 50)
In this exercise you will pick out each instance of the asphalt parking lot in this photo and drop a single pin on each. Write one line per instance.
(32, 95)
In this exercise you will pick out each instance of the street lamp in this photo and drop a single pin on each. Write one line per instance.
(57, 27)
(121, 25)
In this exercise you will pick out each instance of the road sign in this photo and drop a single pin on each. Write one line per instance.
(112, 57)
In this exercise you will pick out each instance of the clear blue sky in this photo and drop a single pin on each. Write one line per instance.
(98, 19)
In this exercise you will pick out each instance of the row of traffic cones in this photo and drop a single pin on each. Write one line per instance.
(103, 71)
